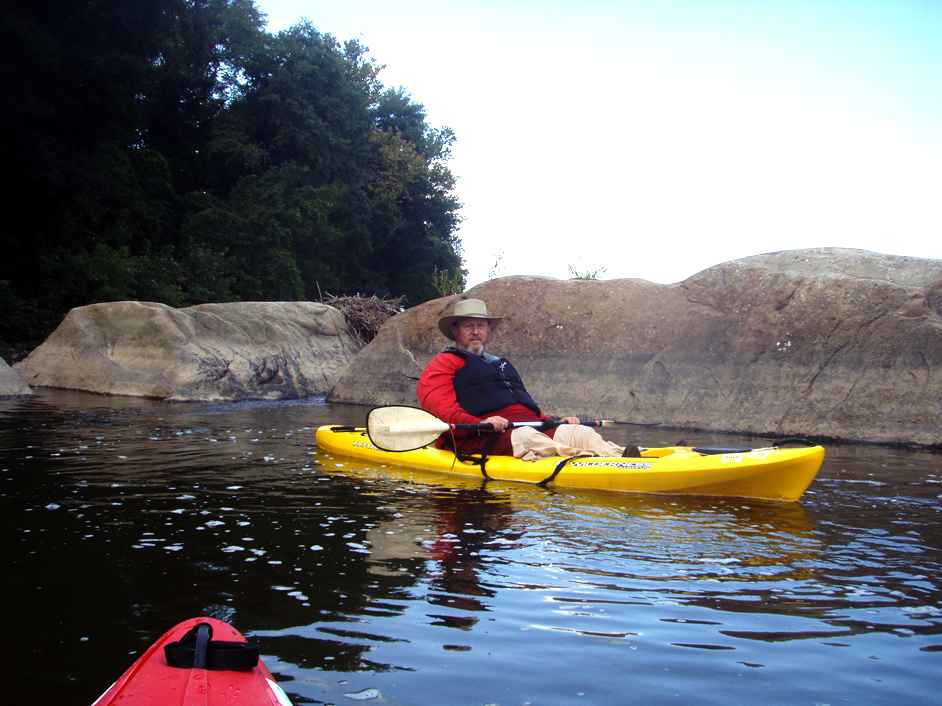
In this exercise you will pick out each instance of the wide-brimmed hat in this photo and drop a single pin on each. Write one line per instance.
(464, 309)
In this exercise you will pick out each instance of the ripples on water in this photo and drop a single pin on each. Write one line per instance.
(122, 517)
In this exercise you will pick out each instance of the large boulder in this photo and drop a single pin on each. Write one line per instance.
(12, 383)
(245, 350)
(826, 342)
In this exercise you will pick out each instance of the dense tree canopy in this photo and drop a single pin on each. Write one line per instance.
(174, 151)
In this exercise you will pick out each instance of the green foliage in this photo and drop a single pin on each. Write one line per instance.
(172, 150)
(588, 274)
(447, 283)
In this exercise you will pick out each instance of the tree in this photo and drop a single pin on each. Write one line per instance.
(173, 150)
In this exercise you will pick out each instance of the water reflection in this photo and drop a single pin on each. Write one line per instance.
(754, 559)
(662, 528)
(468, 521)
(120, 518)
(585, 550)
(429, 545)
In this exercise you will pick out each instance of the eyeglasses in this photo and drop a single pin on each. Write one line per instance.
(473, 324)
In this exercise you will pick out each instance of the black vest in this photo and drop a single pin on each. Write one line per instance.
(486, 384)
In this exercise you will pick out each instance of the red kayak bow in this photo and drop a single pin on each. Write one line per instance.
(201, 661)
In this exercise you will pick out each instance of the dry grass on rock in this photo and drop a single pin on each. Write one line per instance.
(365, 315)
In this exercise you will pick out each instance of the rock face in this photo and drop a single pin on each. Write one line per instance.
(826, 342)
(245, 350)
(12, 383)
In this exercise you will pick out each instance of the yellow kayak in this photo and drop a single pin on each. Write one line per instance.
(771, 473)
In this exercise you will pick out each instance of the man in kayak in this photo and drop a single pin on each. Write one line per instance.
(464, 384)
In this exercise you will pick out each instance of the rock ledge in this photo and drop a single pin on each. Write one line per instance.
(826, 342)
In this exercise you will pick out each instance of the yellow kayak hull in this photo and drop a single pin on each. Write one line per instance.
(781, 474)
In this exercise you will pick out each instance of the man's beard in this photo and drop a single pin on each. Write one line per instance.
(475, 347)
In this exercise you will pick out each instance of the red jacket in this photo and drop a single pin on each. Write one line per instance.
(436, 393)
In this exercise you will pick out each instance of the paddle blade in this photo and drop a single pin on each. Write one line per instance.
(402, 428)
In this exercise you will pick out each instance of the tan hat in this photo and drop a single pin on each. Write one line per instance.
(464, 309)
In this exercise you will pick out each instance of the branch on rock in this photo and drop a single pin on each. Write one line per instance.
(365, 315)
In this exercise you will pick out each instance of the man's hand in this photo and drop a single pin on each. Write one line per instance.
(570, 420)
(499, 423)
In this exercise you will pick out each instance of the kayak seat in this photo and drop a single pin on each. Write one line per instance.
(197, 650)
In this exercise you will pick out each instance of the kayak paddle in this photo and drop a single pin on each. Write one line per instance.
(402, 428)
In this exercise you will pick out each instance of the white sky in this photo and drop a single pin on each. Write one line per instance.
(656, 138)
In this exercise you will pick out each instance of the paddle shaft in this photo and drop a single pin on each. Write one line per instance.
(401, 428)
(545, 424)
(436, 426)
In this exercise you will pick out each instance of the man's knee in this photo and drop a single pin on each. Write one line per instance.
(575, 435)
(523, 433)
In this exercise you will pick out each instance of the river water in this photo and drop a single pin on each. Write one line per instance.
(122, 517)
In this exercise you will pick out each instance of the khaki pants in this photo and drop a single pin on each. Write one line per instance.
(569, 440)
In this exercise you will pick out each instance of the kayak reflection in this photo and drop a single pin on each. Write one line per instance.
(473, 520)
(441, 559)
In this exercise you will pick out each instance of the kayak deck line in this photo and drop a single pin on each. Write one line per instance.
(772, 473)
